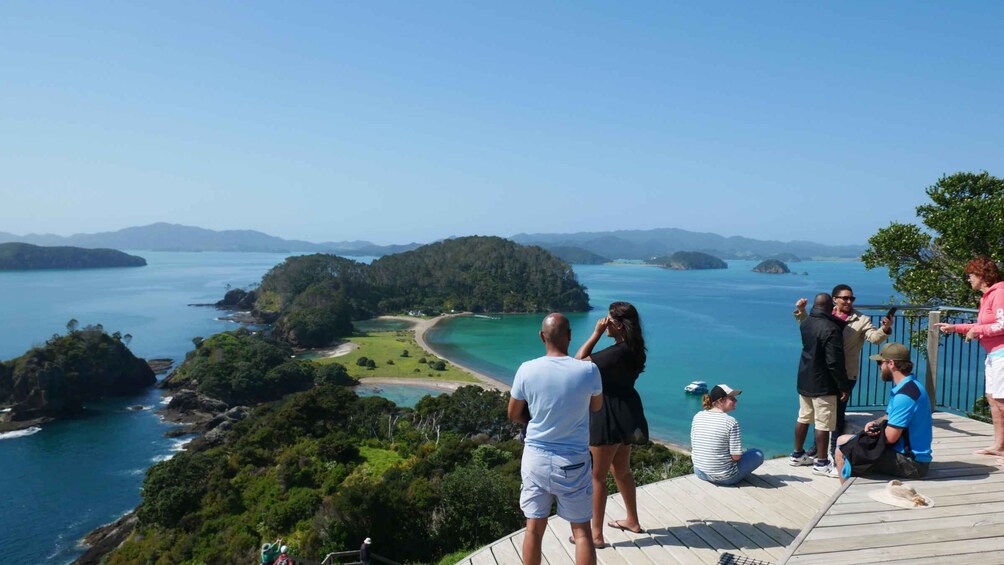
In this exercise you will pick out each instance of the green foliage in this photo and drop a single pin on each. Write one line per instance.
(654, 462)
(362, 361)
(172, 488)
(687, 260)
(24, 256)
(326, 468)
(981, 410)
(965, 219)
(773, 266)
(85, 364)
(241, 367)
(470, 507)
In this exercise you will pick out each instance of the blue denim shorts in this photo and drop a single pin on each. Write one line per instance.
(548, 476)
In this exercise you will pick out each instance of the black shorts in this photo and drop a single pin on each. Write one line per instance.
(891, 462)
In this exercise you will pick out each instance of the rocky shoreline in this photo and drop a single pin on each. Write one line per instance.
(207, 418)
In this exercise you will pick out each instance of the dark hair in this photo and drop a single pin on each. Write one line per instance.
(627, 316)
(985, 268)
(905, 366)
(840, 288)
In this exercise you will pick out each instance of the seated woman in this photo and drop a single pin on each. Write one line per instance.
(716, 442)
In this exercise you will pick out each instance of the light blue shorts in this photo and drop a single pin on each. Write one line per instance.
(547, 476)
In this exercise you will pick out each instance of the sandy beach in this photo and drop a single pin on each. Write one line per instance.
(422, 325)
(341, 349)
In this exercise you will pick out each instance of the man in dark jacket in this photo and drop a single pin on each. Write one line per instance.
(822, 379)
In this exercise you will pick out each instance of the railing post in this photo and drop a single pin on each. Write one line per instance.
(933, 344)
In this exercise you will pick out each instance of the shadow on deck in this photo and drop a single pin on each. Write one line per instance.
(785, 514)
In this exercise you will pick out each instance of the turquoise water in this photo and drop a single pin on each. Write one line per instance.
(401, 395)
(728, 326)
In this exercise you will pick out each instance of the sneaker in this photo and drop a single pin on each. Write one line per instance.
(800, 460)
(811, 452)
(827, 470)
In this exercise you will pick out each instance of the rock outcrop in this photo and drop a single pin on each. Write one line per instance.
(772, 267)
(55, 380)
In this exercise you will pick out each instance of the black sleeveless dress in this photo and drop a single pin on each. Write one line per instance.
(622, 418)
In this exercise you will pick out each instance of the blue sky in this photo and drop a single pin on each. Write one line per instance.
(413, 121)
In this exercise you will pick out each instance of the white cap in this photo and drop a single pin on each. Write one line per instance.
(367, 541)
(283, 549)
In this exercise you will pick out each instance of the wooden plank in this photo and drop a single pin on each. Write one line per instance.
(505, 553)
(622, 542)
(700, 492)
(483, 557)
(941, 535)
(858, 531)
(796, 545)
(675, 530)
(947, 551)
(897, 514)
(745, 507)
(553, 548)
(658, 523)
(783, 495)
(517, 543)
(720, 534)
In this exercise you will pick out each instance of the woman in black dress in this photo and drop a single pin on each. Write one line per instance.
(621, 422)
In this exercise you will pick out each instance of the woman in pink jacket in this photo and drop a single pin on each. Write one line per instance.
(985, 277)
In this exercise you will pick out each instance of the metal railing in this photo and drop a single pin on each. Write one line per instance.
(950, 367)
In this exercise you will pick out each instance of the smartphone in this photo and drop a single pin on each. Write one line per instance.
(891, 312)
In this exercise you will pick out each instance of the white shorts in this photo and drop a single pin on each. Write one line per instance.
(547, 476)
(995, 375)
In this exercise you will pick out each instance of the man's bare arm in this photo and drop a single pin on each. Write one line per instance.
(518, 411)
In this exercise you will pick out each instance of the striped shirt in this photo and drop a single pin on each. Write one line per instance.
(714, 438)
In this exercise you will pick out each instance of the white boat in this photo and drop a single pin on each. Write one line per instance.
(696, 387)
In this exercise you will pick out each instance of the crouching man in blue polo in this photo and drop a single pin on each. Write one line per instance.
(899, 443)
(559, 392)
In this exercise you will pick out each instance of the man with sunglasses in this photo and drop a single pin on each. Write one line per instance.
(899, 443)
(858, 328)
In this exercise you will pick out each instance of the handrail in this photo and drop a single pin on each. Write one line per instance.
(950, 369)
(356, 554)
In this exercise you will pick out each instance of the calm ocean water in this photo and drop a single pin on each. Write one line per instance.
(729, 326)
(56, 485)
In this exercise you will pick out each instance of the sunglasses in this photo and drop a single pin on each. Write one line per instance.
(847, 298)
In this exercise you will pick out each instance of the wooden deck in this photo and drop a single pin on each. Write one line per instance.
(787, 515)
(692, 522)
(966, 524)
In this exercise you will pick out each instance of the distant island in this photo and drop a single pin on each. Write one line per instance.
(786, 257)
(772, 267)
(175, 237)
(54, 380)
(577, 255)
(27, 257)
(642, 244)
(689, 261)
(312, 300)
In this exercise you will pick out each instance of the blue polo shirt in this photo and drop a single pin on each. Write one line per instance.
(909, 409)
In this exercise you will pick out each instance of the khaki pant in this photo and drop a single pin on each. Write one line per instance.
(818, 410)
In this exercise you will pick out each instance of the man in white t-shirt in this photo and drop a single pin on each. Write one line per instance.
(559, 391)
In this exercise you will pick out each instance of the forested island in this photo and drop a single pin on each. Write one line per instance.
(577, 255)
(772, 267)
(54, 380)
(313, 299)
(23, 257)
(689, 260)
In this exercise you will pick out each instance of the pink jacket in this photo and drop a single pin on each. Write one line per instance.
(989, 324)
